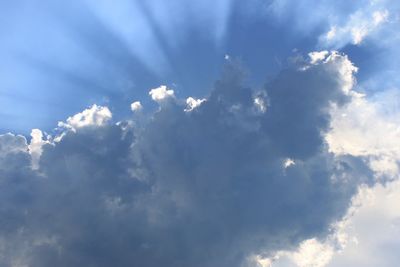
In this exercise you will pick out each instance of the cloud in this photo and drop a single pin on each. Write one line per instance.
(209, 187)
(364, 127)
(317, 56)
(93, 116)
(11, 143)
(339, 23)
(374, 230)
(366, 237)
(360, 24)
(161, 93)
(136, 106)
(367, 30)
(13, 153)
(312, 253)
(193, 103)
(35, 146)
(368, 128)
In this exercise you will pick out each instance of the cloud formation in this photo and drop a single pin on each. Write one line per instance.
(364, 127)
(242, 173)
(94, 116)
(136, 106)
(161, 93)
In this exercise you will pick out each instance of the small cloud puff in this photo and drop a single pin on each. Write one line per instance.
(288, 162)
(192, 103)
(259, 103)
(161, 93)
(317, 56)
(136, 106)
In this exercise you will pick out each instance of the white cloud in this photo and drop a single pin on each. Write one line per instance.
(192, 103)
(318, 56)
(380, 17)
(35, 146)
(312, 253)
(288, 162)
(259, 103)
(358, 26)
(337, 62)
(136, 106)
(161, 93)
(374, 229)
(360, 128)
(345, 22)
(345, 68)
(93, 116)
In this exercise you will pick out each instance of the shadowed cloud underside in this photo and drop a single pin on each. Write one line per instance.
(240, 173)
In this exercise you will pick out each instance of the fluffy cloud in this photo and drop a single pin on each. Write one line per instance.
(317, 56)
(193, 103)
(35, 146)
(136, 106)
(93, 116)
(374, 230)
(161, 93)
(210, 187)
(352, 133)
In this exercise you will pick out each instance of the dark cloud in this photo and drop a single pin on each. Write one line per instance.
(204, 188)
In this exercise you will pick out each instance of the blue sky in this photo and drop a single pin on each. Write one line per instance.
(199, 133)
(60, 58)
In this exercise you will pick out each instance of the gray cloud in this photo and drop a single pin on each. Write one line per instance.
(205, 187)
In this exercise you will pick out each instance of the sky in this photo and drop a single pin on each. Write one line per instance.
(204, 133)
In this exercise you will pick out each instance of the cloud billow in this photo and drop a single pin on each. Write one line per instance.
(240, 173)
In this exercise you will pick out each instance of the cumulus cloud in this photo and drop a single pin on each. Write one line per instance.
(11, 143)
(317, 56)
(364, 127)
(312, 253)
(35, 146)
(93, 116)
(13, 154)
(193, 103)
(221, 185)
(352, 133)
(136, 106)
(161, 93)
